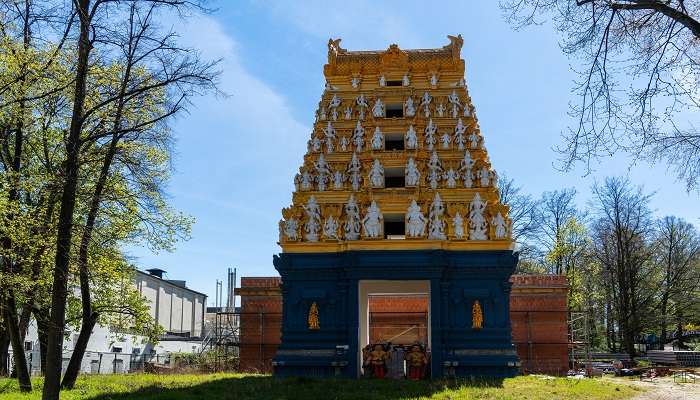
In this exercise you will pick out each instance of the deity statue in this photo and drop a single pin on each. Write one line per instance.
(323, 171)
(334, 114)
(477, 222)
(358, 136)
(344, 143)
(330, 228)
(412, 173)
(411, 138)
(291, 228)
(436, 230)
(377, 139)
(376, 174)
(459, 139)
(322, 113)
(435, 170)
(372, 222)
(315, 144)
(465, 168)
(362, 105)
(501, 226)
(348, 112)
(477, 316)
(415, 225)
(307, 180)
(313, 322)
(445, 140)
(377, 359)
(451, 178)
(467, 112)
(417, 361)
(313, 219)
(378, 109)
(453, 99)
(297, 182)
(329, 134)
(433, 79)
(484, 176)
(473, 140)
(430, 131)
(355, 82)
(440, 110)
(335, 101)
(406, 81)
(382, 81)
(352, 222)
(425, 103)
(353, 172)
(338, 180)
(458, 224)
(409, 107)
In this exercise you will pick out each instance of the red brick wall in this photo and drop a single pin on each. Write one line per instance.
(538, 316)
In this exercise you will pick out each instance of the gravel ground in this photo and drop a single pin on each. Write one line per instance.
(666, 389)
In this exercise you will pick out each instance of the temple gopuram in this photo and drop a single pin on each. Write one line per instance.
(396, 199)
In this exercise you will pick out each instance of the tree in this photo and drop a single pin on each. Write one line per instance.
(571, 253)
(523, 212)
(557, 208)
(638, 80)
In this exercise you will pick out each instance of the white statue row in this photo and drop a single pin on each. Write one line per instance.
(323, 175)
(445, 141)
(372, 222)
(433, 79)
(378, 109)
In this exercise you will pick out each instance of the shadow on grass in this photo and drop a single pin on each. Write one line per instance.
(267, 387)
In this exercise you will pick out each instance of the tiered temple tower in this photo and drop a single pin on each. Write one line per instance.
(396, 186)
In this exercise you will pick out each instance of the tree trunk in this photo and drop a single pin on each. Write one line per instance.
(42, 328)
(54, 354)
(664, 318)
(25, 383)
(4, 351)
(76, 358)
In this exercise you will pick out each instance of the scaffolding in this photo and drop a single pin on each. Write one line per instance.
(579, 341)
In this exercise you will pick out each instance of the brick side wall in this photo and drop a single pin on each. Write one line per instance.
(538, 316)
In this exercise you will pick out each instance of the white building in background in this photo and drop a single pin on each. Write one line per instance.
(177, 308)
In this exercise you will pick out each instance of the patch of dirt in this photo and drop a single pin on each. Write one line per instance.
(665, 389)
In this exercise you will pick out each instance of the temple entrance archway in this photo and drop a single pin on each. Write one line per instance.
(396, 312)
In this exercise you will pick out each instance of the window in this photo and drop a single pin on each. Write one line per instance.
(393, 141)
(28, 345)
(394, 178)
(116, 349)
(394, 226)
(136, 350)
(394, 110)
(394, 83)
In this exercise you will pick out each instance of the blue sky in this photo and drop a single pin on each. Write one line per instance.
(236, 156)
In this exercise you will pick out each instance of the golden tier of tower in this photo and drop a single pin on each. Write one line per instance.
(396, 160)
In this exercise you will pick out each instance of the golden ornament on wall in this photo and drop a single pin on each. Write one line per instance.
(477, 316)
(313, 317)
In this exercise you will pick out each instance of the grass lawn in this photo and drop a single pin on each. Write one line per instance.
(264, 387)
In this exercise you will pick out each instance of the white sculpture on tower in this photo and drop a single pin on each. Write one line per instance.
(362, 105)
(465, 169)
(410, 107)
(415, 221)
(467, 112)
(315, 144)
(297, 182)
(323, 171)
(344, 143)
(376, 174)
(477, 222)
(352, 222)
(435, 170)
(445, 140)
(372, 222)
(430, 131)
(307, 180)
(406, 81)
(412, 173)
(330, 228)
(329, 134)
(459, 139)
(322, 113)
(411, 138)
(291, 229)
(484, 176)
(433, 79)
(353, 172)
(377, 139)
(451, 178)
(378, 109)
(453, 98)
(338, 180)
(358, 136)
(436, 229)
(382, 81)
(501, 226)
(355, 82)
(473, 140)
(335, 101)
(425, 103)
(313, 219)
(440, 110)
(458, 225)
(348, 112)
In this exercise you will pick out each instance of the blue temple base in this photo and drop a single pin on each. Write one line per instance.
(456, 280)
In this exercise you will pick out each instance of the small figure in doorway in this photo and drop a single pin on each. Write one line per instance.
(416, 361)
(377, 360)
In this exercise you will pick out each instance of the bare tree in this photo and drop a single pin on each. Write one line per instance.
(523, 212)
(638, 79)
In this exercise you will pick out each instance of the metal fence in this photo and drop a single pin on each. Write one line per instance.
(95, 362)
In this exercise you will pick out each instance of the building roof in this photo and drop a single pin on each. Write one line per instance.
(174, 283)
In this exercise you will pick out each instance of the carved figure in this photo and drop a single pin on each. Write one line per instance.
(322, 113)
(372, 222)
(344, 143)
(465, 169)
(355, 82)
(458, 225)
(358, 136)
(473, 140)
(313, 322)
(435, 170)
(307, 180)
(451, 178)
(377, 139)
(440, 110)
(459, 138)
(330, 228)
(352, 221)
(430, 131)
(335, 101)
(406, 81)
(425, 103)
(467, 112)
(315, 144)
(415, 225)
(436, 231)
(378, 109)
(377, 359)
(412, 173)
(484, 176)
(329, 134)
(353, 172)
(362, 105)
(453, 99)
(376, 174)
(338, 180)
(313, 219)
(382, 81)
(411, 138)
(409, 107)
(323, 171)
(433, 79)
(291, 229)
(445, 140)
(416, 360)
(477, 222)
(501, 226)
(348, 112)
(477, 316)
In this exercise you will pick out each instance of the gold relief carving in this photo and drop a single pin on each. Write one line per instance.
(394, 58)
(477, 316)
(313, 321)
(455, 46)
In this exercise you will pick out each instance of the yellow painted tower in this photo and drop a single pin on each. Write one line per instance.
(396, 159)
